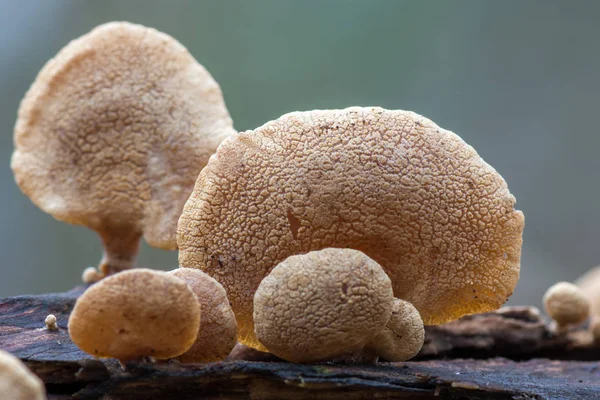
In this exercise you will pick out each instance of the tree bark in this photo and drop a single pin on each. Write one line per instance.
(500, 355)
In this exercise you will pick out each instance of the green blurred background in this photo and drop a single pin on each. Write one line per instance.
(517, 79)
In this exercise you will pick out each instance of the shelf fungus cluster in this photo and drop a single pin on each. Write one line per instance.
(413, 197)
(328, 233)
(142, 313)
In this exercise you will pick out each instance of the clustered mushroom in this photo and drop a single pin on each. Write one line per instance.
(412, 196)
(333, 232)
(113, 133)
(331, 303)
(566, 305)
(136, 314)
(17, 382)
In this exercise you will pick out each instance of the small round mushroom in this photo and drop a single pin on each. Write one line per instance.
(589, 284)
(322, 305)
(218, 332)
(566, 305)
(91, 275)
(50, 322)
(403, 336)
(135, 314)
(113, 133)
(17, 382)
(412, 196)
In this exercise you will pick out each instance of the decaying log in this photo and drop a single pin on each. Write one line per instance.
(507, 358)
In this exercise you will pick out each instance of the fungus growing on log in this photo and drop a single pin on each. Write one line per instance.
(566, 304)
(322, 305)
(113, 133)
(412, 196)
(135, 314)
(218, 331)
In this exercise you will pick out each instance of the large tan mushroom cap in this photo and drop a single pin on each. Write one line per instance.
(322, 305)
(17, 382)
(392, 184)
(566, 304)
(589, 284)
(134, 314)
(218, 331)
(402, 337)
(113, 133)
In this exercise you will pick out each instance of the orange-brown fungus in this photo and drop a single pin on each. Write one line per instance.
(412, 196)
(113, 133)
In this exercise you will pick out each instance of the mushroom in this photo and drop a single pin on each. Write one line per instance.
(17, 382)
(113, 133)
(589, 284)
(412, 196)
(322, 305)
(50, 322)
(218, 332)
(135, 314)
(403, 336)
(595, 328)
(566, 305)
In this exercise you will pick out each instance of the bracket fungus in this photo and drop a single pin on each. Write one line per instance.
(218, 331)
(322, 305)
(566, 304)
(135, 314)
(113, 133)
(403, 336)
(412, 196)
(17, 382)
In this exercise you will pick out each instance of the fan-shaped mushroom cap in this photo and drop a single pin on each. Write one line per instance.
(17, 382)
(392, 184)
(113, 133)
(218, 332)
(322, 305)
(589, 284)
(134, 314)
(402, 337)
(566, 304)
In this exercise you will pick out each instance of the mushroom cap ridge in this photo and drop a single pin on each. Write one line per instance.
(412, 196)
(136, 313)
(114, 131)
(322, 305)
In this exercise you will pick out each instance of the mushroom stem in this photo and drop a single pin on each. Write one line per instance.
(120, 251)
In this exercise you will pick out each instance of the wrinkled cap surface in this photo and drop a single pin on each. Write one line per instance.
(218, 331)
(17, 382)
(412, 196)
(402, 337)
(322, 305)
(134, 314)
(115, 129)
(566, 304)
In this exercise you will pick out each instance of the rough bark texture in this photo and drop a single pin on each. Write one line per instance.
(501, 355)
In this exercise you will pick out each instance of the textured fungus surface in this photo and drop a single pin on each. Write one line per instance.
(322, 305)
(218, 331)
(412, 196)
(113, 133)
(17, 382)
(403, 336)
(134, 314)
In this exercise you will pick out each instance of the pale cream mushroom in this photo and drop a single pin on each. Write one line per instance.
(113, 133)
(403, 336)
(50, 322)
(218, 331)
(135, 314)
(17, 382)
(412, 196)
(322, 305)
(566, 305)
